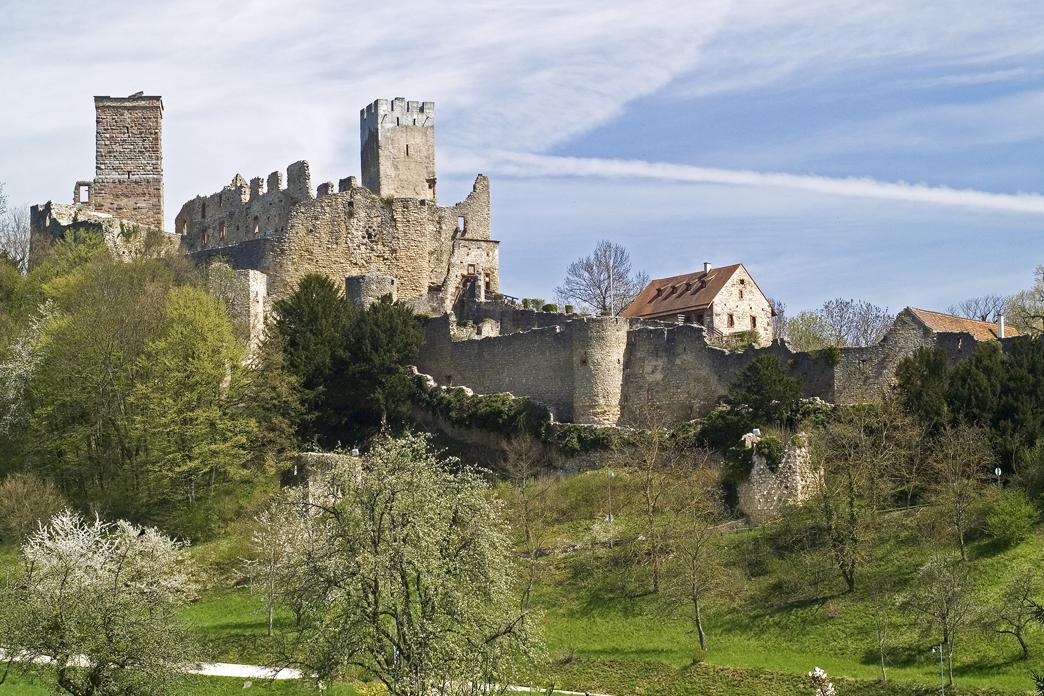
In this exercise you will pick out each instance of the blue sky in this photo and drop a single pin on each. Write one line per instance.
(871, 150)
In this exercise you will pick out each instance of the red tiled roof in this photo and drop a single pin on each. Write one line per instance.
(678, 294)
(948, 323)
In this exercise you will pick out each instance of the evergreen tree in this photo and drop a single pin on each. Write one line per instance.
(974, 385)
(921, 381)
(771, 395)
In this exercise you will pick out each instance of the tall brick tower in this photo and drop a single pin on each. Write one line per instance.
(398, 148)
(128, 180)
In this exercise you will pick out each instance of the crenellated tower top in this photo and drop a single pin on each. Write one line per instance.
(398, 148)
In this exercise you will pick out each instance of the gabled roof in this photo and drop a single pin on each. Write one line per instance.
(948, 323)
(682, 293)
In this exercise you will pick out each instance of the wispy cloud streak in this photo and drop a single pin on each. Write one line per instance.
(531, 165)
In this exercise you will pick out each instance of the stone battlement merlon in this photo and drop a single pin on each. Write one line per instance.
(420, 113)
(134, 100)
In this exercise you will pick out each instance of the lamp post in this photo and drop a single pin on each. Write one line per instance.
(942, 677)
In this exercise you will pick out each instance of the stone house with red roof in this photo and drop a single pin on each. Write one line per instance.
(725, 301)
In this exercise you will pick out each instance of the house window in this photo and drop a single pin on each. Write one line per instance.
(471, 269)
(753, 322)
(741, 294)
(699, 318)
(730, 322)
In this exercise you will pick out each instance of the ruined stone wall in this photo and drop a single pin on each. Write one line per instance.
(672, 374)
(767, 493)
(398, 148)
(128, 182)
(536, 363)
(289, 232)
(125, 240)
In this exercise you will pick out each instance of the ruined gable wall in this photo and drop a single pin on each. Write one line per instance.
(866, 374)
(742, 298)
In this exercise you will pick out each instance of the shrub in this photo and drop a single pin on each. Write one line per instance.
(1010, 517)
(772, 449)
(551, 307)
(25, 501)
(831, 355)
(569, 309)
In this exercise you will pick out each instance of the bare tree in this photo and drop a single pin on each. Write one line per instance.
(1026, 308)
(779, 318)
(855, 322)
(1016, 610)
(839, 322)
(699, 509)
(944, 600)
(960, 460)
(603, 281)
(14, 233)
(525, 462)
(983, 307)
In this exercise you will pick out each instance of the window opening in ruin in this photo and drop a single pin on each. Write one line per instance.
(255, 227)
(203, 237)
(460, 223)
(221, 231)
(203, 211)
(731, 322)
(126, 131)
(753, 322)
(85, 194)
(398, 121)
(407, 149)
(488, 282)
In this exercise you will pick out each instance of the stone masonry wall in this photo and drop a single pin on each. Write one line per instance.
(128, 182)
(289, 232)
(606, 371)
(749, 307)
(398, 148)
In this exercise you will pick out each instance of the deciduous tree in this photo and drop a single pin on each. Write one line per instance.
(93, 610)
(405, 572)
(603, 281)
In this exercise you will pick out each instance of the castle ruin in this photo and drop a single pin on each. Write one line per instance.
(388, 235)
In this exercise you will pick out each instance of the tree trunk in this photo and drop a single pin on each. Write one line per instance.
(949, 663)
(699, 623)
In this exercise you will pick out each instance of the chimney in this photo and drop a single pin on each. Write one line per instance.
(707, 266)
(1001, 322)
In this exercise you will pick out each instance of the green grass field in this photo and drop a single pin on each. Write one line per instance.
(605, 632)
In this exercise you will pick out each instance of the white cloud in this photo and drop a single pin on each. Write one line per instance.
(532, 165)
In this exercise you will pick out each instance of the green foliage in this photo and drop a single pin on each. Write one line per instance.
(569, 309)
(771, 395)
(349, 361)
(922, 380)
(741, 340)
(1010, 517)
(549, 308)
(831, 355)
(103, 593)
(404, 571)
(808, 331)
(772, 449)
(993, 389)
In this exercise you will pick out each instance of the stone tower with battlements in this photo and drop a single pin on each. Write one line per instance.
(398, 148)
(128, 179)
